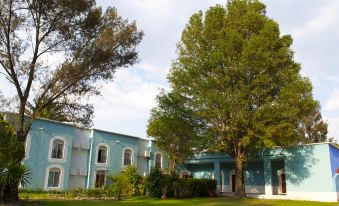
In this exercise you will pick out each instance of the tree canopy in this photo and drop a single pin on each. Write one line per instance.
(87, 43)
(236, 75)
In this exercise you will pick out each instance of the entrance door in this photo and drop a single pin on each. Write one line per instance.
(233, 183)
(283, 182)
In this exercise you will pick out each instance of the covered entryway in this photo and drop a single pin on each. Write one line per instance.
(278, 177)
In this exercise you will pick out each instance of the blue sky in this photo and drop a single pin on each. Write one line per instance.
(125, 104)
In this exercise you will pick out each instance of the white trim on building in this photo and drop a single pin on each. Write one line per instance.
(101, 164)
(50, 150)
(61, 177)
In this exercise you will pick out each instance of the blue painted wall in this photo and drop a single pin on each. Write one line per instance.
(254, 174)
(41, 133)
(304, 166)
(117, 143)
(155, 149)
(201, 170)
(334, 155)
(308, 168)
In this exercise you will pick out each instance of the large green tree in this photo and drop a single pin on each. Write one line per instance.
(236, 75)
(173, 128)
(89, 45)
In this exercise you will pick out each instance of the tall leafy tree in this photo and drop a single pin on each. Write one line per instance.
(89, 44)
(236, 75)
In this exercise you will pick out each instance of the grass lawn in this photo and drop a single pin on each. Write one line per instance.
(187, 202)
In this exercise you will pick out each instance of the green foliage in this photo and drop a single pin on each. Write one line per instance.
(100, 193)
(136, 181)
(163, 185)
(191, 187)
(235, 87)
(128, 182)
(173, 129)
(92, 44)
(12, 171)
(121, 186)
(313, 128)
(14, 149)
(153, 182)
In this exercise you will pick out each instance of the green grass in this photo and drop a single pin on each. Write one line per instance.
(187, 202)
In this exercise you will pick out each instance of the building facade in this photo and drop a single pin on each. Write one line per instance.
(305, 172)
(62, 156)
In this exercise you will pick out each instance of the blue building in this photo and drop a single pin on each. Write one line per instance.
(62, 156)
(305, 172)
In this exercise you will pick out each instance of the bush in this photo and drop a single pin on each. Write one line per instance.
(121, 186)
(12, 171)
(191, 187)
(134, 179)
(163, 185)
(128, 183)
(153, 182)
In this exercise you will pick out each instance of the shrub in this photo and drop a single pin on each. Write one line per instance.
(128, 182)
(191, 187)
(153, 182)
(12, 171)
(134, 179)
(163, 185)
(121, 186)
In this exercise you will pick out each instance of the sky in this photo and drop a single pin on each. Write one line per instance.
(125, 104)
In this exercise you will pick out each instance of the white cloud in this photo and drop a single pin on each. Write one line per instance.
(333, 102)
(326, 18)
(125, 104)
(333, 129)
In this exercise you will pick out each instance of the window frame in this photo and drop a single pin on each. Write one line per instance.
(61, 177)
(64, 157)
(95, 178)
(55, 153)
(155, 159)
(123, 156)
(107, 154)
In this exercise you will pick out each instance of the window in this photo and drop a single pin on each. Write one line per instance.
(100, 179)
(58, 149)
(102, 154)
(54, 176)
(128, 157)
(158, 163)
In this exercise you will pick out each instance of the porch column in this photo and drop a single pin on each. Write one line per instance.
(217, 175)
(268, 176)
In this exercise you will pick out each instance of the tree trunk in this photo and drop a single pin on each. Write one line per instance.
(239, 177)
(11, 193)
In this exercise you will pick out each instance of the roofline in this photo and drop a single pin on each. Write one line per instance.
(301, 145)
(79, 127)
(117, 133)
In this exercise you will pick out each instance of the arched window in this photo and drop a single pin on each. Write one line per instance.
(58, 149)
(100, 177)
(158, 160)
(128, 154)
(54, 176)
(102, 154)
